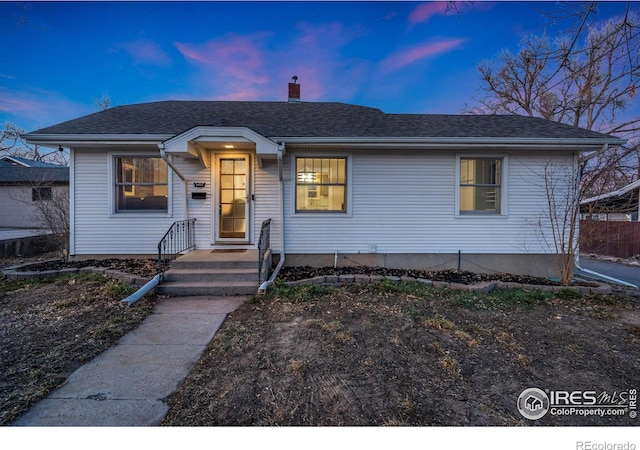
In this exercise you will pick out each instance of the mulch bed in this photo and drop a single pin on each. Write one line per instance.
(450, 276)
(146, 268)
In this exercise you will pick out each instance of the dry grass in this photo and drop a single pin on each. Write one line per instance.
(402, 354)
(48, 328)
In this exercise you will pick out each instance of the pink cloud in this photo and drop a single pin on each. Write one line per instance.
(36, 108)
(230, 59)
(147, 52)
(255, 67)
(14, 104)
(425, 11)
(403, 58)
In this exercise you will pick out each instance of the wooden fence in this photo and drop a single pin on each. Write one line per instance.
(618, 239)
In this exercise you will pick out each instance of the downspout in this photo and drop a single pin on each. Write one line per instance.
(166, 159)
(263, 287)
(142, 291)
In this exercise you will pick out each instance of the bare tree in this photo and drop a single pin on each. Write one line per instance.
(103, 103)
(52, 212)
(562, 189)
(586, 78)
(12, 144)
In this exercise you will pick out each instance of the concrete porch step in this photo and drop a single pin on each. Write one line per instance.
(197, 288)
(212, 272)
(207, 275)
(205, 259)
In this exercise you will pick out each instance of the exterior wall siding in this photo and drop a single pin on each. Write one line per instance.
(199, 209)
(266, 205)
(99, 232)
(398, 203)
(406, 204)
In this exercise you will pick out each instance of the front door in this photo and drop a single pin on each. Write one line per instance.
(233, 199)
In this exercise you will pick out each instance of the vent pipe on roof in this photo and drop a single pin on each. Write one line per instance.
(294, 90)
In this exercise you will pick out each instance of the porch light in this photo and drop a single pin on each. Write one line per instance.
(228, 146)
(306, 176)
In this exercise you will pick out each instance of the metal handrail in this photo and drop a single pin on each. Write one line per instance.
(264, 244)
(180, 237)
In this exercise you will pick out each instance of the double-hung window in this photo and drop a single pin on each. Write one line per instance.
(321, 184)
(141, 184)
(480, 185)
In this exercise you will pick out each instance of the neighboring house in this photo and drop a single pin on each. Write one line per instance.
(340, 182)
(23, 185)
(620, 205)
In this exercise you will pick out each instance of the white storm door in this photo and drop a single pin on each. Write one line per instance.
(233, 222)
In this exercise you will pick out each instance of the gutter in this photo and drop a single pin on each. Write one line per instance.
(263, 287)
(600, 275)
(581, 144)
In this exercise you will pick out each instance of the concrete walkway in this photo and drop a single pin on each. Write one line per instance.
(126, 385)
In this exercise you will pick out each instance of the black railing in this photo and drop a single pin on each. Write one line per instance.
(264, 245)
(180, 237)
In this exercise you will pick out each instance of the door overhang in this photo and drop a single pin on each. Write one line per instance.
(192, 143)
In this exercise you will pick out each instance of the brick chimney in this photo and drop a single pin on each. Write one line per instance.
(294, 90)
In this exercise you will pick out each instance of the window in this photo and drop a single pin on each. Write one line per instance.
(480, 185)
(41, 193)
(141, 184)
(321, 184)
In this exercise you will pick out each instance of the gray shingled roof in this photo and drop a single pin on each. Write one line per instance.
(8, 160)
(307, 119)
(33, 175)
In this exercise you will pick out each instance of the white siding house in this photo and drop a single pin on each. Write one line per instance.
(342, 184)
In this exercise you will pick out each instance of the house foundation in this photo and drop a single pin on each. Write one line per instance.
(538, 265)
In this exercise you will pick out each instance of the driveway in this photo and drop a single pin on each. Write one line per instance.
(629, 274)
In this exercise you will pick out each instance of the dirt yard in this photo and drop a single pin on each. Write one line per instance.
(389, 353)
(405, 354)
(49, 328)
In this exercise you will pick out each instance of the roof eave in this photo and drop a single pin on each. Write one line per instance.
(90, 140)
(470, 143)
(618, 192)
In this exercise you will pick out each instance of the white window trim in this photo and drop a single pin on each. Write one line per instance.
(504, 194)
(348, 186)
(112, 186)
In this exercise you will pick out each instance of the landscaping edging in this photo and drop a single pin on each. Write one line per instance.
(486, 286)
(12, 273)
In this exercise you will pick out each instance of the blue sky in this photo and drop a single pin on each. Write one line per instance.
(58, 58)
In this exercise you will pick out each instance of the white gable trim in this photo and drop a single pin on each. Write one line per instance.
(188, 143)
(15, 161)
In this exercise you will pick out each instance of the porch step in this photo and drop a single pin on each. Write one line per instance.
(193, 288)
(203, 272)
(207, 275)
(218, 264)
